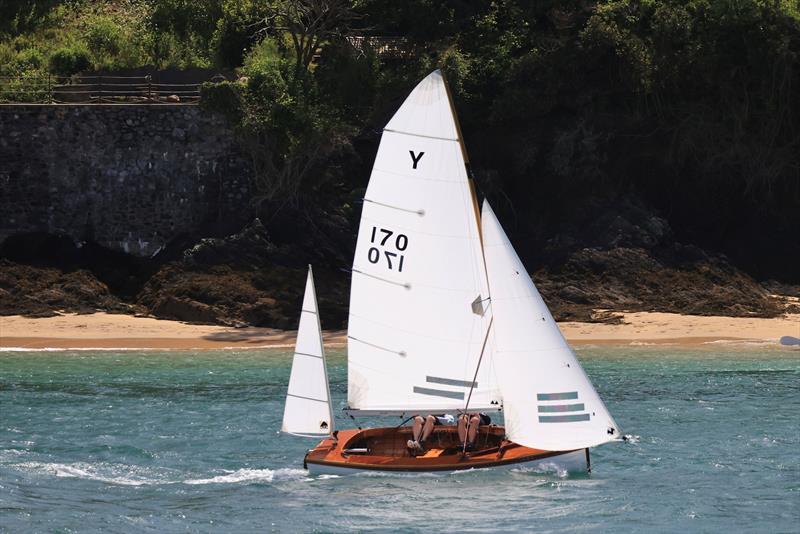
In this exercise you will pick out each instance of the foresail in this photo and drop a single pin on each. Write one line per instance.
(548, 401)
(308, 400)
(418, 317)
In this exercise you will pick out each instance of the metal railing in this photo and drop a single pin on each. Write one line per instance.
(386, 47)
(100, 89)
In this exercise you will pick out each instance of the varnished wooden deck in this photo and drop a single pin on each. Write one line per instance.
(384, 449)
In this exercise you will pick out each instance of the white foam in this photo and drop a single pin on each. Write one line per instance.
(253, 475)
(125, 475)
(101, 473)
(543, 468)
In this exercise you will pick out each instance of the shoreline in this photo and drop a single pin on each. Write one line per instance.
(103, 331)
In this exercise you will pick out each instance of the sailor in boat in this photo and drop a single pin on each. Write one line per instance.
(468, 425)
(423, 428)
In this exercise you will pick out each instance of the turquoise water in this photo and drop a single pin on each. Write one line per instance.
(186, 442)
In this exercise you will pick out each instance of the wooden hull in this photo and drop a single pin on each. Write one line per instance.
(384, 449)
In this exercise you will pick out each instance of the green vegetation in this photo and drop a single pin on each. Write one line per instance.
(689, 105)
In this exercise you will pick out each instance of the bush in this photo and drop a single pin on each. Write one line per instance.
(69, 60)
(222, 97)
(30, 58)
(104, 37)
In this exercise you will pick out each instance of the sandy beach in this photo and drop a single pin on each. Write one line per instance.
(108, 331)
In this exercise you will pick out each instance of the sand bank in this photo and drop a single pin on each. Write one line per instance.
(102, 330)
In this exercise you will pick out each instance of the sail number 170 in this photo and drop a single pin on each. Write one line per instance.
(383, 239)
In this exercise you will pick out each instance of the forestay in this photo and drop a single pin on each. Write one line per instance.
(548, 401)
(308, 400)
(418, 318)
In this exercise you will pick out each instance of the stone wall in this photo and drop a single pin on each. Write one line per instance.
(131, 177)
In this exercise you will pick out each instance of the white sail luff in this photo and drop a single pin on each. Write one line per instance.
(308, 410)
(413, 339)
(549, 402)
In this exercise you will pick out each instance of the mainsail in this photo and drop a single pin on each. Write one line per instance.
(308, 400)
(548, 401)
(418, 310)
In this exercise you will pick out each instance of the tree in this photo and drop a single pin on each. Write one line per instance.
(310, 23)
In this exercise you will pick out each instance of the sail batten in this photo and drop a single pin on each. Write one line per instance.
(308, 400)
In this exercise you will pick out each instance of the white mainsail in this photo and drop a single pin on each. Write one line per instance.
(548, 401)
(308, 400)
(418, 319)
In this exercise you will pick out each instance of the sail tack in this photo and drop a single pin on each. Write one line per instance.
(548, 400)
(308, 400)
(417, 322)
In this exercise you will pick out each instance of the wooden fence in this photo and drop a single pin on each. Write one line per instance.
(95, 90)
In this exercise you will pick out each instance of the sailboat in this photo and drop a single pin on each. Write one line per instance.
(443, 319)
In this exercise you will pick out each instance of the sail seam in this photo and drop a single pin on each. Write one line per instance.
(459, 341)
(420, 135)
(419, 212)
(308, 311)
(306, 398)
(456, 180)
(307, 354)
(461, 237)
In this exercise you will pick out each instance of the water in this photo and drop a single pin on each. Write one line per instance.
(179, 441)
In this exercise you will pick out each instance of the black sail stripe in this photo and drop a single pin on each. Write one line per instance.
(439, 393)
(554, 408)
(451, 382)
(567, 395)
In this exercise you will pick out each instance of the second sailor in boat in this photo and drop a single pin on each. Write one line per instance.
(468, 425)
(423, 428)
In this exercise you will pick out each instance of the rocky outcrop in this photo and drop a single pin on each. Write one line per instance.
(243, 279)
(621, 256)
(40, 291)
(624, 259)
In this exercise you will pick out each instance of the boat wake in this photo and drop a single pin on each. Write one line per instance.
(122, 475)
(126, 475)
(253, 475)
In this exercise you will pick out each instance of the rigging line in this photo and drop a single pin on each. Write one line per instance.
(353, 418)
(400, 353)
(419, 212)
(406, 420)
(401, 284)
(474, 381)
